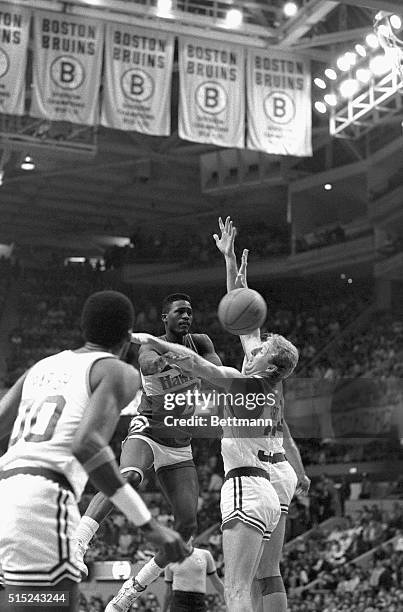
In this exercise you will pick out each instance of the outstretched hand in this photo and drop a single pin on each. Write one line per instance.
(225, 244)
(240, 280)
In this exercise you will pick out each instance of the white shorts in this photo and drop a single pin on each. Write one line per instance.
(38, 518)
(252, 500)
(163, 455)
(284, 480)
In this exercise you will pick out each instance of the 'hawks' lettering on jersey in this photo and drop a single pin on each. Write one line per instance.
(251, 446)
(153, 403)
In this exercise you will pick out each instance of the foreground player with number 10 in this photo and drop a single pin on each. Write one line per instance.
(61, 415)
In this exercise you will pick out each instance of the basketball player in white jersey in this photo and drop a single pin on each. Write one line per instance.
(249, 504)
(283, 463)
(186, 582)
(61, 415)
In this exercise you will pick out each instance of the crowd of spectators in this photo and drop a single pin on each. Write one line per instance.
(51, 300)
(374, 352)
(342, 584)
(200, 249)
(326, 236)
(327, 549)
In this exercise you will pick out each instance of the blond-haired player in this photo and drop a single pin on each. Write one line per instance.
(283, 461)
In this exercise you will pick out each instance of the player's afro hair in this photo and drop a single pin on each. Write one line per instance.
(106, 318)
(174, 297)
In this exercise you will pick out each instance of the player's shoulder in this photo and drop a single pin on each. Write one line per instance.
(203, 342)
(113, 371)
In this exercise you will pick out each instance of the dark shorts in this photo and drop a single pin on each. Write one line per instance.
(184, 601)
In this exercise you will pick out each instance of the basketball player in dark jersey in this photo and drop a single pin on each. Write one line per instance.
(151, 444)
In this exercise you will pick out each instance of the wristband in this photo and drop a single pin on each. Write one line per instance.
(131, 504)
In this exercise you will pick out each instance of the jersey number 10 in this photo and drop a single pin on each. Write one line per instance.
(36, 421)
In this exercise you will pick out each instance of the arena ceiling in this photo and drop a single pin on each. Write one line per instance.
(91, 186)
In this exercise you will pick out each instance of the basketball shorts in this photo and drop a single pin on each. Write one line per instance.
(252, 500)
(187, 602)
(163, 455)
(38, 518)
(284, 480)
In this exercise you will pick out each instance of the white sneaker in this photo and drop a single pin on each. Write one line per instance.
(129, 592)
(81, 549)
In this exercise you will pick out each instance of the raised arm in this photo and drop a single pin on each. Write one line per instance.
(235, 278)
(225, 244)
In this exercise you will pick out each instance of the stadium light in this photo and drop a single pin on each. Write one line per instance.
(1, 177)
(395, 22)
(320, 83)
(343, 63)
(290, 9)
(331, 74)
(348, 88)
(328, 186)
(164, 8)
(361, 50)
(28, 163)
(351, 57)
(320, 107)
(372, 40)
(234, 18)
(331, 99)
(363, 75)
(379, 65)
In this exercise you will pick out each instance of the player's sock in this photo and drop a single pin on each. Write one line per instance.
(86, 530)
(150, 572)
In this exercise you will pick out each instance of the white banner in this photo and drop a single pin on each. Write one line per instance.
(212, 92)
(137, 81)
(14, 35)
(66, 67)
(279, 103)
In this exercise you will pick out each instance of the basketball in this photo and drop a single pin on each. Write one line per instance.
(241, 311)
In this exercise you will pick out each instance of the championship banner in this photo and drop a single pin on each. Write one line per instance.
(279, 103)
(137, 81)
(212, 99)
(14, 35)
(66, 67)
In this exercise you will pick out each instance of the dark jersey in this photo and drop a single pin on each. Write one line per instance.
(158, 396)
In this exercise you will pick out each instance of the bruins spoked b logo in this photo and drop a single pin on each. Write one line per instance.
(67, 72)
(211, 98)
(279, 107)
(137, 85)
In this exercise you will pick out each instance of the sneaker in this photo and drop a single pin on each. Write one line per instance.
(81, 549)
(129, 592)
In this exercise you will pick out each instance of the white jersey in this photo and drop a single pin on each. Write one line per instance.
(251, 446)
(55, 394)
(190, 575)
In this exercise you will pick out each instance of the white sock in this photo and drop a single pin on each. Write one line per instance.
(148, 573)
(86, 530)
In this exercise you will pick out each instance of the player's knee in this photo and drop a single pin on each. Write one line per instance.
(133, 477)
(272, 584)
